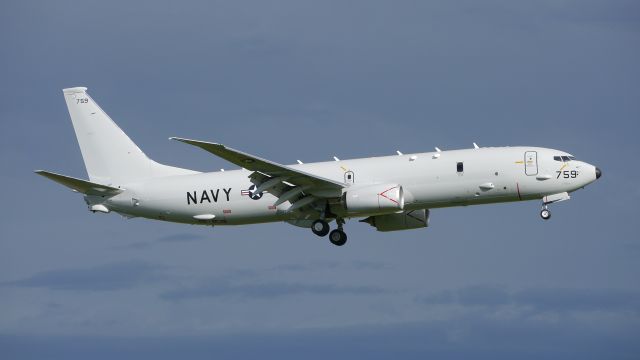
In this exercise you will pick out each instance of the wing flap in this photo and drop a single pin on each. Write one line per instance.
(79, 185)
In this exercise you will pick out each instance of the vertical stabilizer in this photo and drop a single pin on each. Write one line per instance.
(111, 158)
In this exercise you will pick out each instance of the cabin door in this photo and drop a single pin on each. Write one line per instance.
(531, 163)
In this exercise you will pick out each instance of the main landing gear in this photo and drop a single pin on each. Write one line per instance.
(337, 237)
(320, 227)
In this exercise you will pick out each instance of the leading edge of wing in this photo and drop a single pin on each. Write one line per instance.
(255, 163)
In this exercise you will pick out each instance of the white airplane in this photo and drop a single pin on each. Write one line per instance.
(390, 192)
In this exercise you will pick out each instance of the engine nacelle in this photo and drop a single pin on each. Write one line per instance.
(380, 198)
(414, 219)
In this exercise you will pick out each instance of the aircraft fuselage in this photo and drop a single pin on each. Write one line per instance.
(429, 180)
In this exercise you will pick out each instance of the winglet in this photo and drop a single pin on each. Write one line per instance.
(201, 144)
(193, 142)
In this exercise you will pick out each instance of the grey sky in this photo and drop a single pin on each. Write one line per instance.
(308, 80)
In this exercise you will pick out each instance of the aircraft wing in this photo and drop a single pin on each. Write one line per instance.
(277, 173)
(79, 185)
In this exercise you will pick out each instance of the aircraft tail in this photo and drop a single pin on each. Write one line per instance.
(110, 156)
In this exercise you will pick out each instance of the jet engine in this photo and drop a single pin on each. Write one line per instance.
(405, 220)
(379, 198)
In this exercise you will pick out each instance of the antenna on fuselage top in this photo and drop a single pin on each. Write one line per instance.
(438, 149)
(399, 153)
(475, 146)
(299, 162)
(336, 158)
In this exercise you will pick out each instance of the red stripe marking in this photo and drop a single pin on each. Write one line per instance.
(226, 211)
(518, 187)
(388, 198)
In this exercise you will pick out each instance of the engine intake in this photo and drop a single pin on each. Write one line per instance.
(414, 219)
(380, 198)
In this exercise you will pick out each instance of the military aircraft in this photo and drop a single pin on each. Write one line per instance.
(390, 192)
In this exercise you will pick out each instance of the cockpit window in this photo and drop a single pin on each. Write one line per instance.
(564, 158)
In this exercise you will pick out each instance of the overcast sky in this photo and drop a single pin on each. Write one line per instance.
(307, 80)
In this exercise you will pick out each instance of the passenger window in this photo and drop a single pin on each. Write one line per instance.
(460, 167)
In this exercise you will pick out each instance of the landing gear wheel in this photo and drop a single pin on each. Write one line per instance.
(545, 214)
(338, 237)
(320, 227)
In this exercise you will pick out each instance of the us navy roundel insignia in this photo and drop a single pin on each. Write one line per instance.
(252, 193)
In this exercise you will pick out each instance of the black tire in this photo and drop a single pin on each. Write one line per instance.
(320, 228)
(338, 237)
(545, 214)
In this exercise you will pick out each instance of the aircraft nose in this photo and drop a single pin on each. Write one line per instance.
(598, 173)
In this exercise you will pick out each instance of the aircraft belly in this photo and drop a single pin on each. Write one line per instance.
(530, 188)
(244, 211)
(460, 192)
(247, 210)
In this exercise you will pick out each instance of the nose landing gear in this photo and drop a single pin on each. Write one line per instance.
(545, 213)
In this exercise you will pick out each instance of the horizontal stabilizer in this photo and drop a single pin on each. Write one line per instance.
(79, 185)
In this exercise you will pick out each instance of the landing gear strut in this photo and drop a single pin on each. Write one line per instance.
(338, 237)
